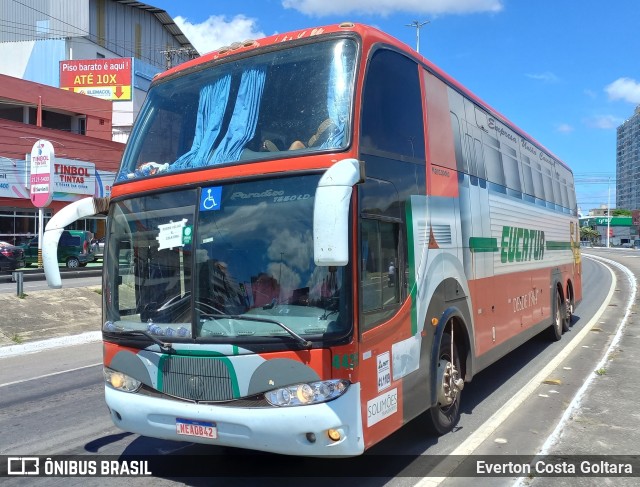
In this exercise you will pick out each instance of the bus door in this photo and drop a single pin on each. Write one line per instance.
(393, 150)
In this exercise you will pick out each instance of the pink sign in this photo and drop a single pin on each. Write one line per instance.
(41, 181)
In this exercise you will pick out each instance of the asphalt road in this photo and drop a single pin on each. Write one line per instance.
(52, 403)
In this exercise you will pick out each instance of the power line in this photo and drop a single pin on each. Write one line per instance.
(31, 33)
(91, 36)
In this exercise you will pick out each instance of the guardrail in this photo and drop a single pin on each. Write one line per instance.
(38, 274)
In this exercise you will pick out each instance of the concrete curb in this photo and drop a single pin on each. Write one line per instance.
(33, 347)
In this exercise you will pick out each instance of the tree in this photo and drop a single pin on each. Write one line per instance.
(620, 212)
(589, 234)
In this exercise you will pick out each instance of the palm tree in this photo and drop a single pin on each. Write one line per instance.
(589, 234)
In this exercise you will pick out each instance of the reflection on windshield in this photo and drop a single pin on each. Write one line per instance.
(228, 263)
(291, 101)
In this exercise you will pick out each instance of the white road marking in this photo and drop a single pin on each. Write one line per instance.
(48, 375)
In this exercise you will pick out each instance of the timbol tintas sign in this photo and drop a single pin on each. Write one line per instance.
(40, 181)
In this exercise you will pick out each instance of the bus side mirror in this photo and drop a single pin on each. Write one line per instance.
(331, 213)
(54, 229)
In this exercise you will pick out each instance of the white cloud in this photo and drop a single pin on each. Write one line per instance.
(322, 8)
(604, 122)
(626, 89)
(564, 128)
(546, 77)
(295, 248)
(218, 31)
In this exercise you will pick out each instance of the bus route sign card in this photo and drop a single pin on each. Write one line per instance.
(202, 429)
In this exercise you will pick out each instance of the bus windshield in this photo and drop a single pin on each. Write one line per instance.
(230, 263)
(290, 101)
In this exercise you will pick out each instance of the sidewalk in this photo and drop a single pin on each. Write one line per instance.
(603, 421)
(53, 313)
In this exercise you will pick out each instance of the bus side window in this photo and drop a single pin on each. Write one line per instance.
(391, 109)
(461, 161)
(379, 272)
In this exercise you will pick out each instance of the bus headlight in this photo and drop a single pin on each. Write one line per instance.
(120, 381)
(308, 393)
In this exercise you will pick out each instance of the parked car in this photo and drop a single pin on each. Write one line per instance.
(98, 248)
(74, 249)
(11, 257)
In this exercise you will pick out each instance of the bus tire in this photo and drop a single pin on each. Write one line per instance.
(569, 305)
(446, 413)
(559, 318)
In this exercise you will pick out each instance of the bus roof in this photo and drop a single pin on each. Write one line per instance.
(370, 36)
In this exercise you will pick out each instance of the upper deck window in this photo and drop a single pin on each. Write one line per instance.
(292, 101)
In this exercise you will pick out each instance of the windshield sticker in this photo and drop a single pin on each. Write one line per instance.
(187, 234)
(171, 234)
(210, 198)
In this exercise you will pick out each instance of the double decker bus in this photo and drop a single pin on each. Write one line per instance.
(315, 238)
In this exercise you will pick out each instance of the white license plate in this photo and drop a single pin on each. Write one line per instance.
(201, 429)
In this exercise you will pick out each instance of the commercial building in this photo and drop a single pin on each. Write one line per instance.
(85, 161)
(53, 53)
(628, 163)
(623, 230)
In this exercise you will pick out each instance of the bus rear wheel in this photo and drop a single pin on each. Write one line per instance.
(446, 413)
(559, 319)
(568, 314)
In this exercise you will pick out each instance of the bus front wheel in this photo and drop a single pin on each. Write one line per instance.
(446, 413)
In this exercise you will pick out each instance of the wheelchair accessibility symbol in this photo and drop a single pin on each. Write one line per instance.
(210, 198)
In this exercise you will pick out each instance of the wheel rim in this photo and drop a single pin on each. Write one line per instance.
(558, 315)
(448, 391)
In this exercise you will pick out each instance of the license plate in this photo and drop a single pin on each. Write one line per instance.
(201, 429)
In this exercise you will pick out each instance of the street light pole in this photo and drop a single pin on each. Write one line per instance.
(418, 25)
(608, 211)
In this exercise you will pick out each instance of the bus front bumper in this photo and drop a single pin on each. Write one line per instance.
(300, 430)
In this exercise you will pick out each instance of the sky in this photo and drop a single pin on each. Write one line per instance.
(567, 72)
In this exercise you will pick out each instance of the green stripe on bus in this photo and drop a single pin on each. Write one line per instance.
(551, 245)
(483, 244)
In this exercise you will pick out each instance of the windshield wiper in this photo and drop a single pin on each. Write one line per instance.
(164, 346)
(304, 343)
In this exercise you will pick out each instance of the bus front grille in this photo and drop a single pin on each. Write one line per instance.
(197, 379)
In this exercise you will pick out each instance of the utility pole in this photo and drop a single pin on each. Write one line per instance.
(418, 25)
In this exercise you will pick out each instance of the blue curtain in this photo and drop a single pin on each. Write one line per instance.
(338, 97)
(211, 108)
(242, 126)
